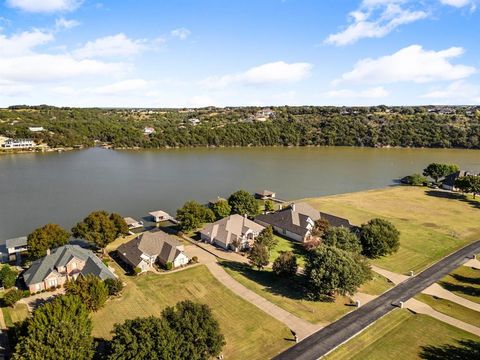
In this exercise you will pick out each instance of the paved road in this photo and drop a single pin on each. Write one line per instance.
(327, 339)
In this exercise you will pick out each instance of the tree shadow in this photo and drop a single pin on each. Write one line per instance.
(464, 289)
(467, 279)
(453, 196)
(293, 288)
(466, 349)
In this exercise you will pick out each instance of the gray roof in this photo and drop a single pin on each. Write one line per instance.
(294, 218)
(153, 243)
(60, 257)
(16, 242)
(450, 179)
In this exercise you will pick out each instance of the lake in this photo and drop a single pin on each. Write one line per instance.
(62, 188)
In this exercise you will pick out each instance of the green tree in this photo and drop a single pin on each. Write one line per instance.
(8, 276)
(267, 239)
(243, 203)
(269, 206)
(330, 271)
(90, 289)
(320, 227)
(196, 328)
(62, 328)
(120, 225)
(97, 228)
(437, 171)
(192, 215)
(148, 338)
(259, 256)
(285, 264)
(221, 209)
(342, 238)
(469, 184)
(47, 237)
(12, 296)
(379, 237)
(114, 286)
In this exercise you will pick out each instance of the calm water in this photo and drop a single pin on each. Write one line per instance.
(62, 188)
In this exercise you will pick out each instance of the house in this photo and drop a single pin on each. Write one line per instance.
(265, 195)
(18, 144)
(215, 201)
(194, 121)
(36, 129)
(148, 130)
(150, 247)
(233, 232)
(64, 263)
(132, 223)
(449, 182)
(159, 216)
(12, 249)
(297, 221)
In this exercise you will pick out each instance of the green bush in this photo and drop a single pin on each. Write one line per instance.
(194, 259)
(8, 276)
(137, 270)
(414, 180)
(114, 286)
(12, 297)
(169, 265)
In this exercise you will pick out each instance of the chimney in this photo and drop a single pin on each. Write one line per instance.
(245, 216)
(48, 252)
(293, 207)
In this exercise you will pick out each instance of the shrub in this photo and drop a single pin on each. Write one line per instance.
(137, 270)
(114, 286)
(414, 180)
(12, 296)
(169, 265)
(8, 276)
(194, 259)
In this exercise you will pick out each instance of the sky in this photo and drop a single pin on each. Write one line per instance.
(195, 53)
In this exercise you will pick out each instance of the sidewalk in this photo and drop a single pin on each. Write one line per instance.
(421, 308)
(301, 327)
(393, 277)
(438, 291)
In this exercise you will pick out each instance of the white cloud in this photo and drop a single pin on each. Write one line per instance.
(458, 3)
(457, 92)
(62, 23)
(270, 73)
(23, 43)
(123, 86)
(45, 6)
(181, 33)
(114, 45)
(375, 19)
(410, 64)
(371, 93)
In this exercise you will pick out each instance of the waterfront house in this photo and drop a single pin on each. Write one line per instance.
(265, 195)
(159, 216)
(151, 247)
(18, 144)
(233, 232)
(449, 182)
(62, 264)
(297, 221)
(132, 223)
(11, 250)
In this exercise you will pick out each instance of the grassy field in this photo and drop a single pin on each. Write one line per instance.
(287, 294)
(403, 335)
(433, 223)
(249, 332)
(451, 309)
(464, 282)
(288, 245)
(378, 285)
(15, 314)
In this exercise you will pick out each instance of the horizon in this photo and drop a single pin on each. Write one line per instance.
(186, 53)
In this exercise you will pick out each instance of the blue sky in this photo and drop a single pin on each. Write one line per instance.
(176, 53)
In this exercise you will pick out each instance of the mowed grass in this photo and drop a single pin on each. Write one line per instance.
(288, 294)
(378, 285)
(451, 309)
(288, 245)
(15, 314)
(250, 333)
(432, 223)
(464, 282)
(400, 335)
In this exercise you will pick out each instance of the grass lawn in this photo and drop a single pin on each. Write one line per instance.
(288, 245)
(250, 333)
(287, 294)
(432, 223)
(15, 314)
(378, 285)
(403, 335)
(464, 282)
(451, 309)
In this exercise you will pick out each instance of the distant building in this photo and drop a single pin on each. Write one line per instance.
(194, 121)
(449, 182)
(265, 195)
(36, 128)
(159, 216)
(132, 223)
(12, 249)
(63, 264)
(18, 144)
(215, 201)
(151, 247)
(148, 130)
